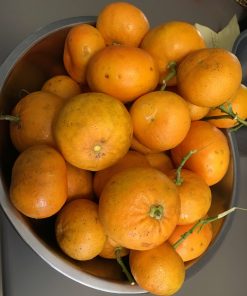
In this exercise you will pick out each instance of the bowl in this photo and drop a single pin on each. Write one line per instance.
(32, 62)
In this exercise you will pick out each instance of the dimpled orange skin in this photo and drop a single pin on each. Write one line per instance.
(109, 250)
(160, 270)
(126, 202)
(93, 131)
(80, 183)
(36, 111)
(197, 112)
(171, 41)
(130, 159)
(122, 71)
(81, 43)
(122, 23)
(213, 154)
(160, 119)
(79, 232)
(62, 85)
(139, 147)
(209, 77)
(195, 196)
(160, 161)
(39, 182)
(195, 244)
(239, 106)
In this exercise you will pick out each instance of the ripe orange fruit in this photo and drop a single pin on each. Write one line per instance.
(195, 244)
(195, 196)
(93, 131)
(38, 186)
(79, 232)
(109, 250)
(62, 85)
(122, 71)
(139, 147)
(80, 183)
(171, 42)
(139, 208)
(36, 112)
(81, 43)
(197, 112)
(161, 161)
(160, 270)
(239, 107)
(130, 159)
(160, 119)
(213, 155)
(122, 23)
(209, 77)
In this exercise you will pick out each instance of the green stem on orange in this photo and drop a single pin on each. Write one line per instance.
(172, 72)
(12, 118)
(156, 212)
(179, 180)
(229, 113)
(123, 266)
(202, 222)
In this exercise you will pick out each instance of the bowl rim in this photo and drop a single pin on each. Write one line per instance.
(39, 246)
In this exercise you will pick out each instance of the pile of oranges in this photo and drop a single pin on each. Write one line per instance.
(102, 146)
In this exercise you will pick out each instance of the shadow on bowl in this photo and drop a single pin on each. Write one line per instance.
(36, 59)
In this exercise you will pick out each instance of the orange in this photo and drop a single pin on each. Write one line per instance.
(195, 244)
(38, 186)
(122, 71)
(122, 23)
(197, 112)
(195, 196)
(109, 250)
(79, 232)
(213, 154)
(139, 208)
(139, 147)
(160, 119)
(239, 107)
(209, 77)
(130, 159)
(93, 131)
(62, 85)
(80, 183)
(160, 270)
(171, 42)
(35, 112)
(81, 43)
(160, 161)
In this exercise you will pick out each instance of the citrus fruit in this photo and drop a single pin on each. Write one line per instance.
(195, 196)
(79, 232)
(160, 119)
(160, 161)
(122, 71)
(38, 186)
(62, 85)
(195, 244)
(139, 208)
(81, 43)
(122, 23)
(171, 42)
(109, 250)
(213, 154)
(239, 106)
(35, 114)
(80, 183)
(209, 77)
(93, 131)
(130, 159)
(160, 270)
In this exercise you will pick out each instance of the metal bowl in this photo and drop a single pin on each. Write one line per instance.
(32, 62)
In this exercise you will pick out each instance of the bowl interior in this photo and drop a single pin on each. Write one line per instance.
(36, 59)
